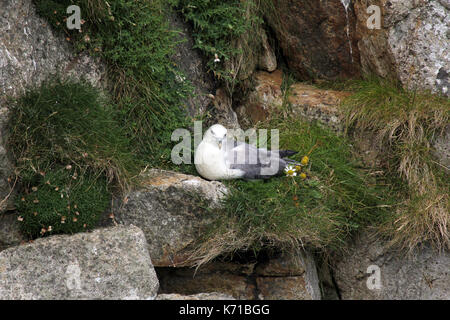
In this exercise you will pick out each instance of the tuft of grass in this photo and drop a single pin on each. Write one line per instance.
(321, 211)
(69, 152)
(69, 123)
(405, 124)
(61, 201)
(225, 30)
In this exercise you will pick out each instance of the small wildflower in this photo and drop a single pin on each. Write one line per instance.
(298, 168)
(35, 201)
(34, 189)
(216, 58)
(67, 38)
(56, 189)
(47, 182)
(305, 160)
(111, 215)
(84, 225)
(75, 219)
(68, 167)
(49, 228)
(42, 173)
(63, 219)
(62, 196)
(54, 12)
(43, 231)
(87, 38)
(35, 213)
(77, 213)
(303, 175)
(57, 23)
(22, 199)
(290, 171)
(84, 154)
(83, 21)
(20, 218)
(75, 206)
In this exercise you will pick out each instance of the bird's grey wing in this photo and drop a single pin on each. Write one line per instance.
(256, 162)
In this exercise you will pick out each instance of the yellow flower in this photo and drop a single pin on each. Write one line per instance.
(298, 168)
(305, 160)
(303, 175)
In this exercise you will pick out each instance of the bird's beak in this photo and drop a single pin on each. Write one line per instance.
(220, 145)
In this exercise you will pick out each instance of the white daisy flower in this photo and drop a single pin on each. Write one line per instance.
(290, 171)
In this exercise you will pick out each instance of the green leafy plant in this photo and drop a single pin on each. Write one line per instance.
(70, 152)
(217, 27)
(61, 201)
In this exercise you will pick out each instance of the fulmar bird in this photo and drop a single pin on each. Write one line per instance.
(219, 158)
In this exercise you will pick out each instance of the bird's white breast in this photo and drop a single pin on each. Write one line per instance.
(210, 163)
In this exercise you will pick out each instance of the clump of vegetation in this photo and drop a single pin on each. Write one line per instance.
(66, 124)
(225, 33)
(61, 201)
(319, 208)
(134, 38)
(404, 124)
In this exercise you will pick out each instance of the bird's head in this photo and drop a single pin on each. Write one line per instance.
(216, 134)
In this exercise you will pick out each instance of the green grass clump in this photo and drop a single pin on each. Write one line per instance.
(61, 201)
(404, 124)
(218, 24)
(134, 38)
(321, 211)
(68, 123)
(69, 151)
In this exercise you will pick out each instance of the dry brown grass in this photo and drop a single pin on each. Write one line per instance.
(405, 125)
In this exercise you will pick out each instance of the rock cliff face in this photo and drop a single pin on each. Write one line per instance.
(317, 38)
(423, 275)
(412, 45)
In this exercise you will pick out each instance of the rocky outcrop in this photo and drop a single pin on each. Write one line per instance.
(317, 38)
(302, 100)
(171, 208)
(106, 264)
(412, 44)
(423, 275)
(190, 62)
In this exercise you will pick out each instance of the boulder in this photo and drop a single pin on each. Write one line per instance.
(412, 44)
(422, 275)
(172, 209)
(317, 38)
(108, 263)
